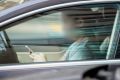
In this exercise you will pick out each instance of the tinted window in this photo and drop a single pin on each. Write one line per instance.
(68, 34)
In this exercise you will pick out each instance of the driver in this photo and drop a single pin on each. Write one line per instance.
(85, 44)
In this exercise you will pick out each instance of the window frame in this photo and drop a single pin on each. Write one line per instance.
(112, 49)
(16, 19)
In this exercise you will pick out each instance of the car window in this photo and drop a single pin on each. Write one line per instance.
(68, 34)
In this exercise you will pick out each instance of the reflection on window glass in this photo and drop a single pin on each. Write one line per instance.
(43, 27)
(75, 33)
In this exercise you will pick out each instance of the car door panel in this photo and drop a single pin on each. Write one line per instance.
(51, 73)
(57, 71)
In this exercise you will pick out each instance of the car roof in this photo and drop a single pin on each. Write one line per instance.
(33, 5)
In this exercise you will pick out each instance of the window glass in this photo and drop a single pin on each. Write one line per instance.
(42, 27)
(68, 34)
(117, 55)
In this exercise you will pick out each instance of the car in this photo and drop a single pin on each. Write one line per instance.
(60, 40)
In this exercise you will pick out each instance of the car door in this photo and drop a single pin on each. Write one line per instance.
(62, 42)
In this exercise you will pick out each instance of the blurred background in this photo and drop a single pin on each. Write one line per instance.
(4, 4)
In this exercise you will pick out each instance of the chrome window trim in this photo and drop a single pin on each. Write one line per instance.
(62, 64)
